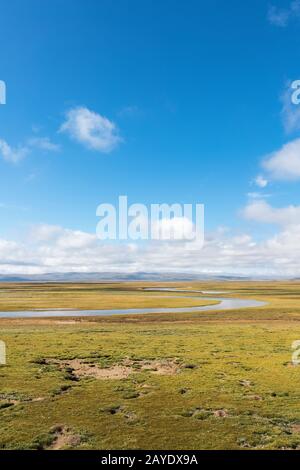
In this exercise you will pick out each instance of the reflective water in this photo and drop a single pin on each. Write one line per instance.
(224, 304)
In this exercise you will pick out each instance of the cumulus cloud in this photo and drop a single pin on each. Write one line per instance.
(261, 211)
(284, 164)
(12, 154)
(176, 228)
(57, 249)
(62, 238)
(92, 130)
(281, 16)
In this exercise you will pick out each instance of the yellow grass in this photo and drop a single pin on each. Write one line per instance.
(234, 386)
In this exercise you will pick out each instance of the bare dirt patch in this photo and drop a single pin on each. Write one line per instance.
(295, 428)
(254, 397)
(202, 413)
(245, 383)
(63, 437)
(83, 369)
(220, 414)
(161, 367)
(79, 368)
(291, 364)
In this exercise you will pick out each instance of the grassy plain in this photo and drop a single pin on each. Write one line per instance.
(85, 297)
(233, 386)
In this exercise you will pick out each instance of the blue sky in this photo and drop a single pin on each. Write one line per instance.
(194, 90)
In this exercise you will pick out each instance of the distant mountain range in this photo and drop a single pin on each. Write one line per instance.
(107, 276)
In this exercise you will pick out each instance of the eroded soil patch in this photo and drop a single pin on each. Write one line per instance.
(79, 368)
(63, 437)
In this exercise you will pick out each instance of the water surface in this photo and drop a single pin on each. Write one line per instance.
(224, 304)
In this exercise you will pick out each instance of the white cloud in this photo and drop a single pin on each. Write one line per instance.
(57, 249)
(261, 211)
(284, 164)
(42, 233)
(281, 16)
(94, 131)
(43, 143)
(62, 238)
(176, 228)
(15, 154)
(257, 195)
(12, 154)
(261, 182)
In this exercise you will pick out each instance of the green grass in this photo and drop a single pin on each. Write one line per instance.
(235, 361)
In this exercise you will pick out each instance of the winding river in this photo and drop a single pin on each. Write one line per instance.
(224, 304)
